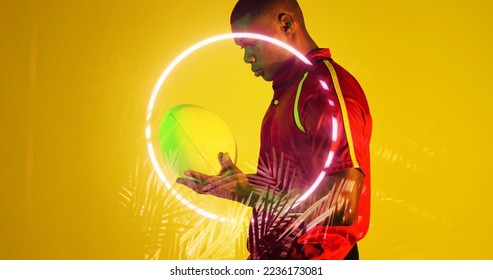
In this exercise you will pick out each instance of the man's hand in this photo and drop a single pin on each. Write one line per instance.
(226, 184)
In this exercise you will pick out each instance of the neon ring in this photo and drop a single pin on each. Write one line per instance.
(160, 82)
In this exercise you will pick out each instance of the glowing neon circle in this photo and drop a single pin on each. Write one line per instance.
(160, 82)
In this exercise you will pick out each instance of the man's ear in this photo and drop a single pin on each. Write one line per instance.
(286, 22)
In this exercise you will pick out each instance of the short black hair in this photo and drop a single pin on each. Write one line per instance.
(256, 7)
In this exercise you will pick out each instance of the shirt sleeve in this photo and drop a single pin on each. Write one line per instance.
(323, 120)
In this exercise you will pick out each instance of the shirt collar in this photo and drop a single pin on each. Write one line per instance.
(295, 68)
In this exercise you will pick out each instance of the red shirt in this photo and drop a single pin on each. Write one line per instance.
(317, 128)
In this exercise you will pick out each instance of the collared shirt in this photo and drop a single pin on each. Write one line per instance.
(318, 123)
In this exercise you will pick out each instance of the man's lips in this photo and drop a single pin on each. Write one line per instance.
(257, 72)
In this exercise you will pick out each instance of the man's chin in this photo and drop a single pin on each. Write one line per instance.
(267, 78)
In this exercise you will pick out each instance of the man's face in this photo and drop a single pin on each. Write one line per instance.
(266, 59)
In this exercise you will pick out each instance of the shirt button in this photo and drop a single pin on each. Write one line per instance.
(276, 102)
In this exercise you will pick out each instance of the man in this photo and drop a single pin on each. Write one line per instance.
(317, 130)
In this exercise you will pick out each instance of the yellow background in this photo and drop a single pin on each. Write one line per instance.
(76, 77)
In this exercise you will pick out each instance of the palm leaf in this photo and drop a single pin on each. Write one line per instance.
(157, 214)
(275, 225)
(171, 230)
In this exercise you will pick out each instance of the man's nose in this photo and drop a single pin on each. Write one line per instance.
(249, 58)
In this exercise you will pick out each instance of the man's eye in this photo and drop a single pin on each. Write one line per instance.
(249, 44)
